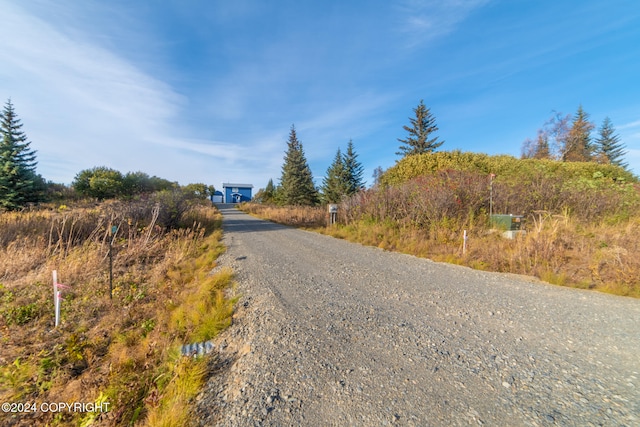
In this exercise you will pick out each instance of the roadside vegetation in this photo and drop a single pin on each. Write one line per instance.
(117, 344)
(579, 202)
(124, 348)
(581, 218)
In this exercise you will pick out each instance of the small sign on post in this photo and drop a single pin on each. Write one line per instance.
(333, 213)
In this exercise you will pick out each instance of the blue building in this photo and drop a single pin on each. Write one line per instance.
(236, 193)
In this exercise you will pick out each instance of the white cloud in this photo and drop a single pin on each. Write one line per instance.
(630, 125)
(424, 20)
(81, 105)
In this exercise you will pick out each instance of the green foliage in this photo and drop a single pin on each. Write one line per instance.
(269, 191)
(609, 148)
(353, 170)
(75, 345)
(569, 139)
(335, 185)
(56, 192)
(197, 191)
(19, 183)
(577, 144)
(344, 176)
(17, 378)
(267, 195)
(588, 190)
(161, 184)
(147, 326)
(296, 184)
(20, 315)
(507, 168)
(136, 183)
(100, 182)
(423, 125)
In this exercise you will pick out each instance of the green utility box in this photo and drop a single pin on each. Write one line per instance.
(507, 222)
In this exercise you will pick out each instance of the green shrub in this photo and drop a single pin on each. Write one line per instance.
(20, 315)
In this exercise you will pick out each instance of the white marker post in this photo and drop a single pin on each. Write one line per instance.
(56, 298)
(464, 242)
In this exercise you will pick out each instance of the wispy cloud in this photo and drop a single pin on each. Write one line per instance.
(110, 109)
(630, 125)
(425, 20)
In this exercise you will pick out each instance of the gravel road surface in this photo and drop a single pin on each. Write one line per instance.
(334, 333)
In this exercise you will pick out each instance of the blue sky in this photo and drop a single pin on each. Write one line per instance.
(207, 91)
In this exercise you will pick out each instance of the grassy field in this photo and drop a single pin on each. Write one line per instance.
(123, 349)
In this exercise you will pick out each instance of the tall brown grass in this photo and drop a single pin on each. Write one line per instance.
(114, 348)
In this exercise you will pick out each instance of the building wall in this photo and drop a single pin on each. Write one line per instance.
(230, 196)
(217, 197)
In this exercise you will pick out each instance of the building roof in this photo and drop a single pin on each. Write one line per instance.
(227, 184)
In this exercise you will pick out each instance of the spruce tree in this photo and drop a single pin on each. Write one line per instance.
(577, 145)
(335, 185)
(266, 195)
(19, 183)
(353, 170)
(419, 141)
(609, 149)
(269, 192)
(296, 184)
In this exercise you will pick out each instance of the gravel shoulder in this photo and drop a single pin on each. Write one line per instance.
(329, 332)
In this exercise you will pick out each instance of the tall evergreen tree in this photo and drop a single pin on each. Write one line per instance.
(19, 183)
(609, 148)
(296, 184)
(335, 185)
(419, 141)
(353, 170)
(577, 145)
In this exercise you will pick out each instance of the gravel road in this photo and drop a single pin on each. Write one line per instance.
(334, 333)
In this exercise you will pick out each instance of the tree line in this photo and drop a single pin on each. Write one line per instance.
(568, 139)
(21, 185)
(562, 138)
(344, 176)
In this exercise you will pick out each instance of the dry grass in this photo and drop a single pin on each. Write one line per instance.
(120, 349)
(295, 216)
(556, 248)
